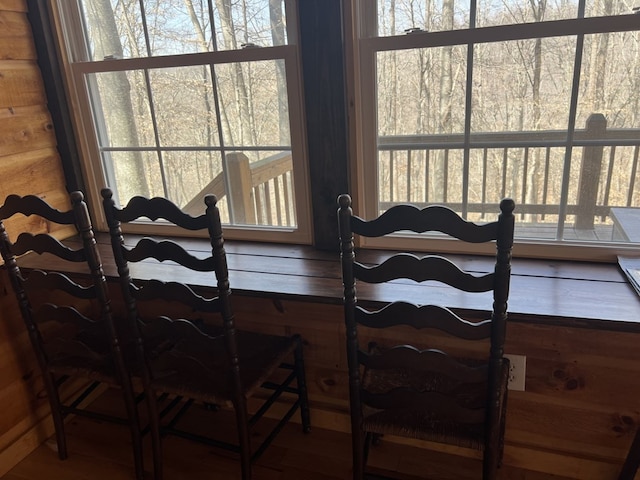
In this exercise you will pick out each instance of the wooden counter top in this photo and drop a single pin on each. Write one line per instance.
(589, 295)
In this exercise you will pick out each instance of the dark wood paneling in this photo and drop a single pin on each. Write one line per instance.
(321, 42)
(51, 70)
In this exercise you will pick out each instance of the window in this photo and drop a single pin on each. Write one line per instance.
(464, 102)
(180, 98)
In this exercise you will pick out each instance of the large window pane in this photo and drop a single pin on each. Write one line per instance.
(522, 85)
(500, 12)
(191, 174)
(610, 79)
(133, 173)
(121, 109)
(421, 91)
(253, 103)
(396, 17)
(184, 106)
(116, 29)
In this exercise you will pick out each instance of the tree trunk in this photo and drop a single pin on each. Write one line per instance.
(245, 133)
(116, 101)
(278, 38)
(535, 173)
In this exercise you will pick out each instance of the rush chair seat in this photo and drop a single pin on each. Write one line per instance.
(425, 393)
(191, 348)
(70, 324)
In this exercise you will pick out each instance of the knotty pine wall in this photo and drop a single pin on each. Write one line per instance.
(29, 164)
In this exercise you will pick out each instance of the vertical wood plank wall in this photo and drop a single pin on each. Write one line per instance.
(29, 164)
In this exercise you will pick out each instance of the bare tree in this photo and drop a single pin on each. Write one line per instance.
(116, 99)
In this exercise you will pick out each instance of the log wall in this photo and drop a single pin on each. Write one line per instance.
(29, 164)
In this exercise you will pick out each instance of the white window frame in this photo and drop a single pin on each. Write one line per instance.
(67, 19)
(362, 20)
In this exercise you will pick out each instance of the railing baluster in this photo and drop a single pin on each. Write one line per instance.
(409, 175)
(391, 176)
(525, 172)
(445, 179)
(634, 170)
(504, 172)
(427, 153)
(259, 194)
(286, 194)
(485, 154)
(294, 214)
(276, 187)
(545, 187)
(607, 186)
(267, 202)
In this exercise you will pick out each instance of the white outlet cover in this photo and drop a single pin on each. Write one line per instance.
(517, 371)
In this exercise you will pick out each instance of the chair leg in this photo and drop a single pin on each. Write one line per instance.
(56, 414)
(632, 462)
(134, 425)
(302, 386)
(243, 438)
(357, 445)
(367, 446)
(154, 428)
(490, 462)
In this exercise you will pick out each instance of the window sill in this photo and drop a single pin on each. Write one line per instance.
(561, 293)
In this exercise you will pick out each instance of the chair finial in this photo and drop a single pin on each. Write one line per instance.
(210, 200)
(106, 193)
(344, 200)
(76, 197)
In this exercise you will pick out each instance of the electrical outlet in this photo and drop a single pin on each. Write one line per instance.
(517, 371)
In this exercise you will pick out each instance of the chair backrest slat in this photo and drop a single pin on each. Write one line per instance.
(406, 356)
(431, 267)
(43, 243)
(167, 250)
(40, 280)
(64, 314)
(425, 316)
(176, 292)
(34, 205)
(159, 208)
(405, 399)
(435, 218)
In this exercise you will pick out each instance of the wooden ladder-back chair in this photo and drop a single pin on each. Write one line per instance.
(187, 355)
(426, 394)
(70, 324)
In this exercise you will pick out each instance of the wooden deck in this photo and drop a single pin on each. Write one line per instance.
(99, 451)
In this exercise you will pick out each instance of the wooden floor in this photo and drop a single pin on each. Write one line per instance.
(101, 451)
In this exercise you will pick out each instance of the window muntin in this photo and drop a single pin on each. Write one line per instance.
(534, 154)
(175, 125)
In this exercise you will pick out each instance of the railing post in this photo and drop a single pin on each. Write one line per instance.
(240, 195)
(590, 172)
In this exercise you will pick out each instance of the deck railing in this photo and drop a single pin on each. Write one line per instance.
(425, 169)
(505, 164)
(261, 193)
